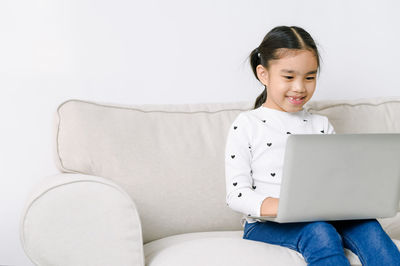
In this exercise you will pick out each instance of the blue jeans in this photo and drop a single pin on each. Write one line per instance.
(322, 243)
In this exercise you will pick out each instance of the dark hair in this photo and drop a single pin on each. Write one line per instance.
(275, 45)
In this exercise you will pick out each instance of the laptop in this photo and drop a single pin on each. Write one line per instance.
(339, 177)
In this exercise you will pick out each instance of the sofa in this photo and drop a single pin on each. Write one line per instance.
(145, 185)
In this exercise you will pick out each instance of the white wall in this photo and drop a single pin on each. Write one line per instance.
(156, 51)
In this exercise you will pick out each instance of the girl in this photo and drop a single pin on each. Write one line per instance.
(286, 63)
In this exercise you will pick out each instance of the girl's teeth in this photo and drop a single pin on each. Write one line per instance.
(296, 100)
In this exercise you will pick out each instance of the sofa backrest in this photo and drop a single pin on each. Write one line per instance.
(373, 115)
(170, 158)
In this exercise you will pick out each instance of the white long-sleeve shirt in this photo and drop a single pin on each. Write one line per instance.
(254, 154)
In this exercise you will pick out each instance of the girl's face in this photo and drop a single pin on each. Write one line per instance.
(290, 80)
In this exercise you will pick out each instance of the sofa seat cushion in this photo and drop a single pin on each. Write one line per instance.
(222, 248)
(391, 225)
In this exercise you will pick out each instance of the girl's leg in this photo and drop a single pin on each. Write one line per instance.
(369, 241)
(318, 242)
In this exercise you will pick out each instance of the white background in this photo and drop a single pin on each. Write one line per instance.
(155, 51)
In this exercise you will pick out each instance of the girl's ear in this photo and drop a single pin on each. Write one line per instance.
(262, 74)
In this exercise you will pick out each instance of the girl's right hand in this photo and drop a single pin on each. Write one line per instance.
(269, 207)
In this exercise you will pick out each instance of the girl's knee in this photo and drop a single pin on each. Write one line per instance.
(370, 227)
(371, 231)
(321, 234)
(372, 224)
(320, 241)
(370, 242)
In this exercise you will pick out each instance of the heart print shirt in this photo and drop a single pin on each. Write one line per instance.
(254, 153)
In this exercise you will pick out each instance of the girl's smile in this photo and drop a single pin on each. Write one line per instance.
(290, 80)
(296, 101)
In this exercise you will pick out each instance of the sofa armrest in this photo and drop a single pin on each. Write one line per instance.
(76, 219)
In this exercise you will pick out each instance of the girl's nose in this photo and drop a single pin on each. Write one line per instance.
(299, 87)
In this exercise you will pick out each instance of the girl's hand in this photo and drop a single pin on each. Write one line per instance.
(269, 207)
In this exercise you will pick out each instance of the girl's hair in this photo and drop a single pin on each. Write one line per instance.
(276, 44)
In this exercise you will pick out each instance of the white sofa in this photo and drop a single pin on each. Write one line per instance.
(145, 185)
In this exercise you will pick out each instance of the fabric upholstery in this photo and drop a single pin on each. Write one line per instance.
(75, 219)
(146, 183)
(225, 248)
(170, 158)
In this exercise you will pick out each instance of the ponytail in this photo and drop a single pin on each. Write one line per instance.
(261, 98)
(255, 60)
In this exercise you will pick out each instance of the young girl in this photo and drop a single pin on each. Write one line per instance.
(286, 63)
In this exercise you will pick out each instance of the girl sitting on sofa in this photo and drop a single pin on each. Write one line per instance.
(286, 63)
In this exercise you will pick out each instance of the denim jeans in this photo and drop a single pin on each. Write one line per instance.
(322, 243)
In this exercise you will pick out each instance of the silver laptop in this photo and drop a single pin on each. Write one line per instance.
(339, 177)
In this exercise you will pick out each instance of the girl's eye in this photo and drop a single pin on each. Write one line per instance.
(310, 78)
(288, 77)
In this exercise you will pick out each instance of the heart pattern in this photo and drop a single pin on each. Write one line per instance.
(269, 144)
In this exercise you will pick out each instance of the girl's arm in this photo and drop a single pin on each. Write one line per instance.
(269, 207)
(240, 194)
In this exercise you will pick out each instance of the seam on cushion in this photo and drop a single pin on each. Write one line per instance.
(78, 181)
(348, 104)
(159, 111)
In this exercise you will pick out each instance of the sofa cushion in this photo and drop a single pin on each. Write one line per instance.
(375, 115)
(170, 158)
(391, 226)
(223, 248)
